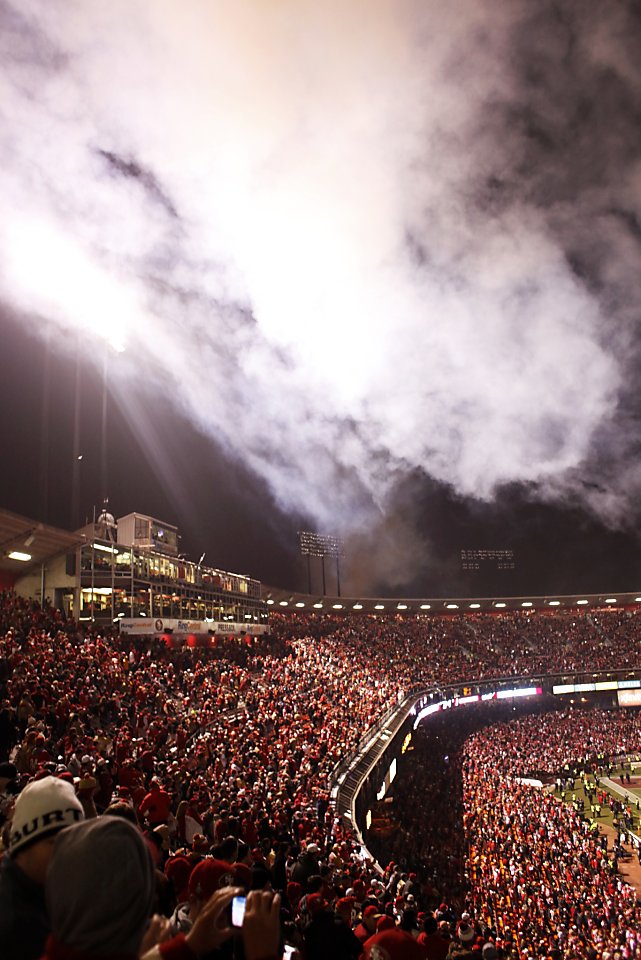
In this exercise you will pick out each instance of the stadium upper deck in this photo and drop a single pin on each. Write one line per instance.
(124, 570)
(130, 570)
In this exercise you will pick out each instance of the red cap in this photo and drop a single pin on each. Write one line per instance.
(371, 911)
(395, 945)
(294, 891)
(208, 876)
(178, 869)
(315, 903)
(345, 903)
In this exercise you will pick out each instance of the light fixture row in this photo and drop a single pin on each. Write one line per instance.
(496, 604)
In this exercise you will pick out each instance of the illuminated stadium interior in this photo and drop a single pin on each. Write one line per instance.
(370, 704)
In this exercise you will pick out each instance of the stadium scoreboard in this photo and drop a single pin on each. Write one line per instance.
(472, 559)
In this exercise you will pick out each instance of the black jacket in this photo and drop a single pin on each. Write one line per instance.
(24, 925)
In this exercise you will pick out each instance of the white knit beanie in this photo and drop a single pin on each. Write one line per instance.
(42, 808)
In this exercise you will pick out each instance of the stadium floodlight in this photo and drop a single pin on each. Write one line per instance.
(611, 600)
(300, 603)
(71, 278)
(269, 602)
(583, 603)
(19, 555)
(526, 603)
(426, 606)
(402, 606)
(475, 606)
(554, 603)
(451, 606)
(337, 606)
(379, 606)
(636, 600)
(282, 603)
(321, 546)
(500, 605)
(357, 606)
(318, 606)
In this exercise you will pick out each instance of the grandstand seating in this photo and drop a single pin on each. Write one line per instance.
(243, 740)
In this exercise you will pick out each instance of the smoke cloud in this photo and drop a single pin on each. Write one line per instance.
(353, 240)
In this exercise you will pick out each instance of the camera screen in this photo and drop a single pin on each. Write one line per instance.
(237, 911)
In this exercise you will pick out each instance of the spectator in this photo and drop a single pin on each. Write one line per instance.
(393, 945)
(436, 946)
(367, 927)
(156, 805)
(42, 810)
(100, 890)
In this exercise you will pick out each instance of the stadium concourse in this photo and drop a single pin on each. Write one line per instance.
(139, 781)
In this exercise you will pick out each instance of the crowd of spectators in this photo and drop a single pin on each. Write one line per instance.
(539, 870)
(431, 649)
(223, 758)
(536, 874)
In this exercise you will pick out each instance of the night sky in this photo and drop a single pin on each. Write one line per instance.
(373, 272)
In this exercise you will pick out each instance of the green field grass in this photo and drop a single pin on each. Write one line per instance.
(606, 813)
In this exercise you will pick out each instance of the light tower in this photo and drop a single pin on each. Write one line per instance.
(318, 545)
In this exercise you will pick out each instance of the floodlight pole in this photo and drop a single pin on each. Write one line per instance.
(77, 456)
(316, 545)
(93, 566)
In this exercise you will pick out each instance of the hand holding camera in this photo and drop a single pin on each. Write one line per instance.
(257, 917)
(261, 926)
(212, 925)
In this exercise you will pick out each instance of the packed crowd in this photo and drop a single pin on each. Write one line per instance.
(564, 741)
(441, 650)
(534, 873)
(539, 870)
(223, 758)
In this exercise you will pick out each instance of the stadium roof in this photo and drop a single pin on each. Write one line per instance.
(38, 541)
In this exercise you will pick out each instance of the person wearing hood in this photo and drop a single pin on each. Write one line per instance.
(42, 810)
(100, 892)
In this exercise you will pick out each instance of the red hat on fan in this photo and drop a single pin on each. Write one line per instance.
(178, 870)
(345, 903)
(371, 911)
(316, 903)
(393, 945)
(294, 891)
(208, 876)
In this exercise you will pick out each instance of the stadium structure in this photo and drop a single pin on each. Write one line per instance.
(128, 573)
(130, 570)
